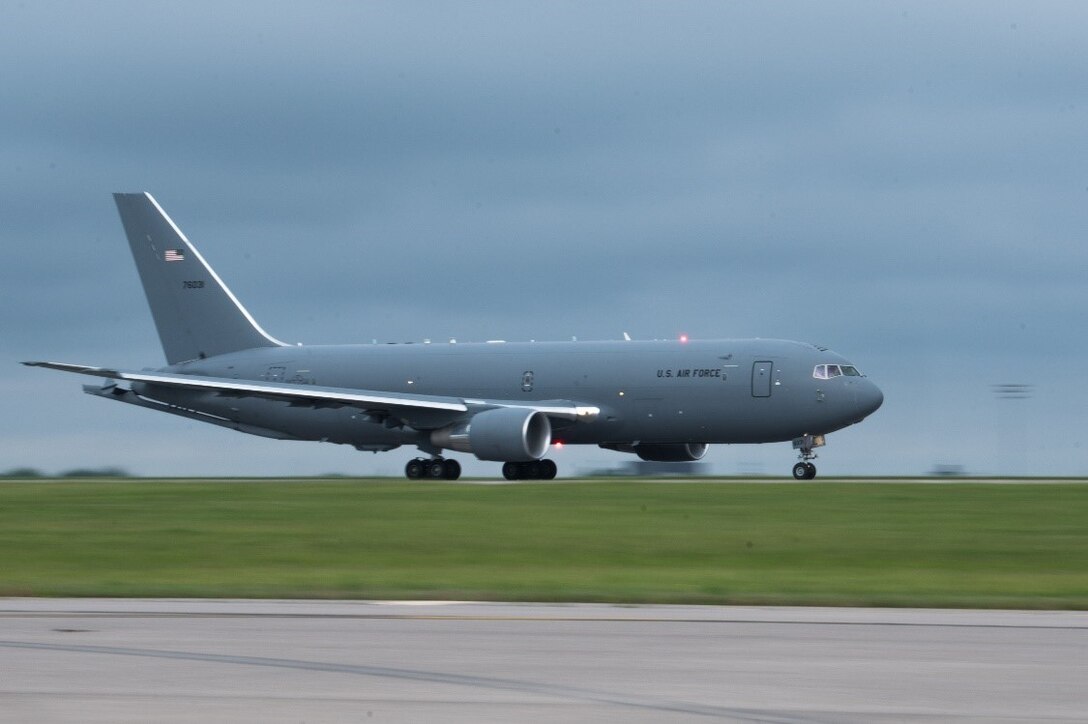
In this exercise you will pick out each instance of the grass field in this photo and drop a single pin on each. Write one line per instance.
(825, 543)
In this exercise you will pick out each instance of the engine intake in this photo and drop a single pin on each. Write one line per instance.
(505, 434)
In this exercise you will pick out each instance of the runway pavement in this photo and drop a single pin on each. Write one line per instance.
(109, 660)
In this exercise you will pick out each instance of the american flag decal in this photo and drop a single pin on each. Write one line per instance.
(174, 255)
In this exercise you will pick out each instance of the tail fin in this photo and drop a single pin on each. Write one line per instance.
(195, 313)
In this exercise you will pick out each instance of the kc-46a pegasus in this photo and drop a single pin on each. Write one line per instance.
(505, 402)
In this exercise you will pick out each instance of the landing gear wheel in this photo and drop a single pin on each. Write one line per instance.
(530, 470)
(804, 471)
(436, 469)
(453, 470)
(414, 469)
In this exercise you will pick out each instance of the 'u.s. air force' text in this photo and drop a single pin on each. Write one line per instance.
(705, 372)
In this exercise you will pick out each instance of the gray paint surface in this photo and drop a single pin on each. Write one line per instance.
(113, 660)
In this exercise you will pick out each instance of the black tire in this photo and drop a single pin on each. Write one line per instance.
(414, 469)
(511, 471)
(436, 469)
(532, 470)
(453, 470)
(811, 471)
(800, 471)
(550, 470)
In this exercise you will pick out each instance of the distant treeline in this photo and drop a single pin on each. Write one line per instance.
(74, 473)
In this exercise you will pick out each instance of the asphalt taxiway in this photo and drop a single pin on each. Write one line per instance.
(290, 661)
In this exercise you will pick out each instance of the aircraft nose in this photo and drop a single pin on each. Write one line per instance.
(869, 398)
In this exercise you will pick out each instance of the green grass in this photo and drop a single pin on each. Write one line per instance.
(824, 543)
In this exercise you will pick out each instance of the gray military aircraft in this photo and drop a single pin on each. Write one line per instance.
(506, 402)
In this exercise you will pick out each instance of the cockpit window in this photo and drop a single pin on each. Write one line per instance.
(826, 372)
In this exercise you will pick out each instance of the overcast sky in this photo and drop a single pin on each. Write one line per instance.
(904, 183)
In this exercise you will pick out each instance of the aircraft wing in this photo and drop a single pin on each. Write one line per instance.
(425, 410)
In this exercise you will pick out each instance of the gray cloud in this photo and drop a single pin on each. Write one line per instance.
(907, 186)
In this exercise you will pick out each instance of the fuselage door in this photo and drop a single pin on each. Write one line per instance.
(761, 379)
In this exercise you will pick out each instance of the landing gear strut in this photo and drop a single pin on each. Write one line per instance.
(805, 470)
(432, 469)
(532, 470)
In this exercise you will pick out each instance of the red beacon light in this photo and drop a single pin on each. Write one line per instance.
(683, 339)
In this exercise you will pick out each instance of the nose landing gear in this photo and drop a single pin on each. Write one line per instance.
(805, 470)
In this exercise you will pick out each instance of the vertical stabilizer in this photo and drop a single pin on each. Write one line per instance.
(195, 313)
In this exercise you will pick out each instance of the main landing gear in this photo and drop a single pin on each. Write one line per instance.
(432, 469)
(443, 469)
(532, 470)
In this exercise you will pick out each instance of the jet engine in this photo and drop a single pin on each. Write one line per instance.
(673, 452)
(506, 434)
(681, 452)
(670, 452)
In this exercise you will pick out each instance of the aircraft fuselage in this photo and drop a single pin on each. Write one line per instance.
(724, 391)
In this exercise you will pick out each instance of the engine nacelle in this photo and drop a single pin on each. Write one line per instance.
(505, 434)
(680, 452)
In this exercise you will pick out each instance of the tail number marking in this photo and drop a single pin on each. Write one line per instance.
(198, 284)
